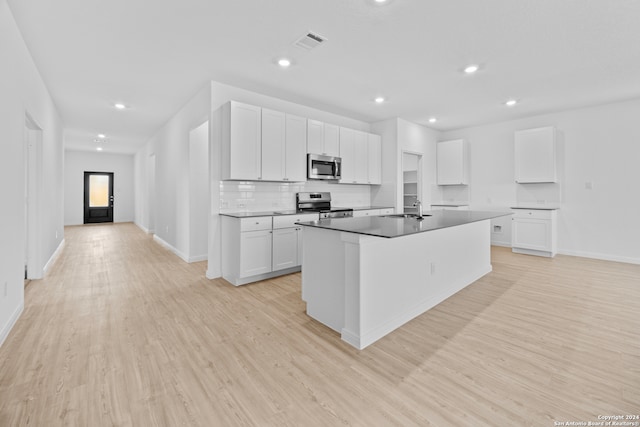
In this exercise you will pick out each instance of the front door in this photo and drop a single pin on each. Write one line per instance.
(98, 197)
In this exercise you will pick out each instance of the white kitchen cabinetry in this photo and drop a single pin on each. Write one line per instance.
(361, 157)
(534, 232)
(535, 155)
(246, 244)
(262, 144)
(322, 138)
(287, 240)
(273, 145)
(375, 158)
(258, 248)
(452, 163)
(285, 248)
(241, 141)
(295, 149)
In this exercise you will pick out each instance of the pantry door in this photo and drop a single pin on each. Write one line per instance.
(98, 197)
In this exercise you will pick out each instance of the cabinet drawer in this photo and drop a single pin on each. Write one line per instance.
(256, 223)
(387, 211)
(532, 213)
(287, 221)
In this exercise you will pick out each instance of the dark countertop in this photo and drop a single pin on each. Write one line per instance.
(453, 205)
(381, 226)
(537, 207)
(267, 213)
(361, 208)
(290, 212)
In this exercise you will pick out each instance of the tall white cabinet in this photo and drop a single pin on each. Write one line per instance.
(452, 162)
(241, 141)
(535, 155)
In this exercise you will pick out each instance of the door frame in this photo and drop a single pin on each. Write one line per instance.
(86, 207)
(32, 151)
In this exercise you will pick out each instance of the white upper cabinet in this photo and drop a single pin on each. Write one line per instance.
(348, 155)
(375, 158)
(452, 163)
(322, 138)
(535, 155)
(241, 141)
(273, 145)
(361, 157)
(296, 149)
(262, 144)
(361, 161)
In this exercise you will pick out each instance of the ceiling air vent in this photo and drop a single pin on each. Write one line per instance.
(310, 40)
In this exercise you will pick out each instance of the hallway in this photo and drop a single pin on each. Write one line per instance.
(122, 332)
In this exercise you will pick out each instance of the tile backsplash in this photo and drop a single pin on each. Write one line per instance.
(258, 196)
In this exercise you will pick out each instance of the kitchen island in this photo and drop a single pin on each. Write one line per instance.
(365, 277)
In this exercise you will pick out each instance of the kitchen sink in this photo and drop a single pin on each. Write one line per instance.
(415, 216)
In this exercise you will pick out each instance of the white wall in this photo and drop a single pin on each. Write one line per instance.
(600, 145)
(24, 92)
(199, 193)
(400, 136)
(166, 212)
(76, 163)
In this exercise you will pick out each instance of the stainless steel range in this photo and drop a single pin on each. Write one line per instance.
(320, 202)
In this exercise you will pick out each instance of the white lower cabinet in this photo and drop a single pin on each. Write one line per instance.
(255, 252)
(285, 248)
(259, 248)
(534, 232)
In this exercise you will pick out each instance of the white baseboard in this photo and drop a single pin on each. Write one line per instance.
(53, 258)
(198, 258)
(170, 247)
(142, 227)
(4, 333)
(604, 257)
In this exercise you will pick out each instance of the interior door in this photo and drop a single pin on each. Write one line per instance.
(98, 197)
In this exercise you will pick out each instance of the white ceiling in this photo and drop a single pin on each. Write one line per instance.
(154, 55)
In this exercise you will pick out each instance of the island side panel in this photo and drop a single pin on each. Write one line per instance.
(323, 263)
(391, 281)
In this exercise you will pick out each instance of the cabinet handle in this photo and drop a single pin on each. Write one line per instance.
(285, 179)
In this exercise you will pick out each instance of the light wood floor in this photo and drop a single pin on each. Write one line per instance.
(122, 332)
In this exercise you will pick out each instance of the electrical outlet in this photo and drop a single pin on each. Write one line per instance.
(497, 229)
(241, 205)
(6, 288)
(588, 185)
(433, 268)
(167, 229)
(56, 234)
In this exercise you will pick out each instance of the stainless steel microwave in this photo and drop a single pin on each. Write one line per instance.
(323, 167)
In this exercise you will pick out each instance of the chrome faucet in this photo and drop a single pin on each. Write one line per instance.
(418, 203)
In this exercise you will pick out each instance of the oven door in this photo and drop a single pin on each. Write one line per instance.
(323, 167)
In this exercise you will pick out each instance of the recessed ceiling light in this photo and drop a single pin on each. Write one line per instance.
(284, 62)
(511, 103)
(470, 69)
(379, 99)
(99, 149)
(120, 106)
(380, 1)
(102, 136)
(432, 120)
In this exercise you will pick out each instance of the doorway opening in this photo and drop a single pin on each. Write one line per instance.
(411, 181)
(98, 197)
(32, 195)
